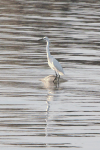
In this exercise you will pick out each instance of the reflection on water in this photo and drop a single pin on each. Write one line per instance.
(37, 113)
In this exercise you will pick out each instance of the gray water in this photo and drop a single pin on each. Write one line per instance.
(35, 112)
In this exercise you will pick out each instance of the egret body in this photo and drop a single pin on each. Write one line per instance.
(52, 62)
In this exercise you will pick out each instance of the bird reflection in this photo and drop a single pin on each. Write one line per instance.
(49, 99)
(52, 88)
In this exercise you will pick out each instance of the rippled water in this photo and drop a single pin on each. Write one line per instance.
(35, 112)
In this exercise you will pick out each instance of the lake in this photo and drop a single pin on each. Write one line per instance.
(34, 111)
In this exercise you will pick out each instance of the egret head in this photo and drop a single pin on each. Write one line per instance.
(45, 38)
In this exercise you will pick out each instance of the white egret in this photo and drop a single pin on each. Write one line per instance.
(52, 62)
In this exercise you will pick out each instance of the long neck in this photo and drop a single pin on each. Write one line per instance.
(47, 49)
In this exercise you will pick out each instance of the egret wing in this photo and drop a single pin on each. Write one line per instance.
(57, 67)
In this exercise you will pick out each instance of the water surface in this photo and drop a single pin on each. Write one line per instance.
(35, 113)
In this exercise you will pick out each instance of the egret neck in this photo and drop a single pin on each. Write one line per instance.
(47, 49)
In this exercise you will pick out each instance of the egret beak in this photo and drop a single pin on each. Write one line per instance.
(40, 40)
